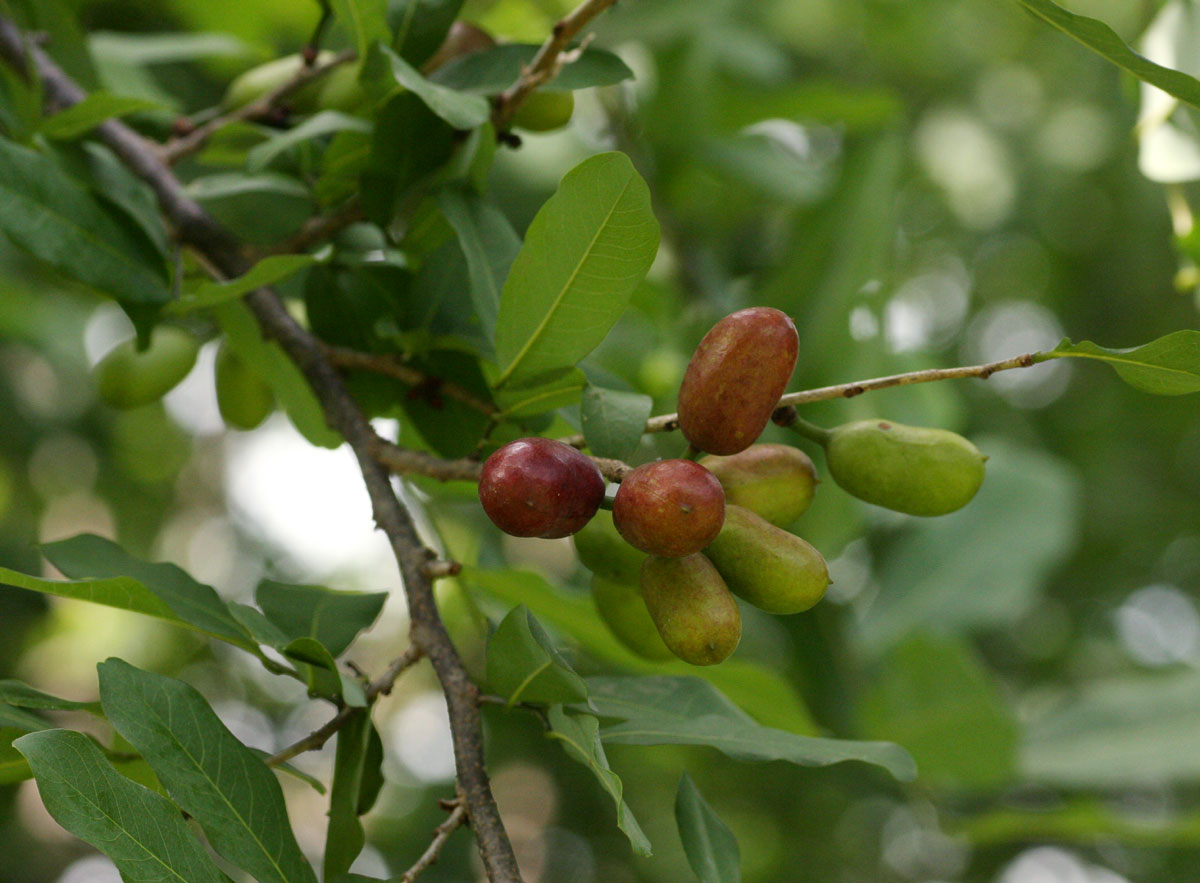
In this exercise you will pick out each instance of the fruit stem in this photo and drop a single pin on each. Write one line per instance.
(607, 503)
(811, 431)
(692, 452)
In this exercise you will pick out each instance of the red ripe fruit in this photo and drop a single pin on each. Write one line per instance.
(538, 487)
(671, 508)
(735, 379)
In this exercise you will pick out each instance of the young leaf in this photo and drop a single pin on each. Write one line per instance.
(613, 421)
(491, 71)
(688, 711)
(710, 846)
(24, 696)
(384, 70)
(333, 618)
(141, 831)
(365, 19)
(104, 573)
(92, 111)
(579, 735)
(1100, 38)
(214, 778)
(1168, 366)
(327, 122)
(268, 361)
(268, 271)
(344, 837)
(13, 765)
(54, 218)
(524, 666)
(584, 254)
(489, 244)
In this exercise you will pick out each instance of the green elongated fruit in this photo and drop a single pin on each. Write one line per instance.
(243, 398)
(772, 569)
(692, 608)
(909, 469)
(544, 111)
(774, 481)
(336, 90)
(605, 552)
(623, 610)
(126, 378)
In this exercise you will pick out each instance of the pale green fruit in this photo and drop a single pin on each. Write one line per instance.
(605, 552)
(126, 378)
(774, 481)
(340, 90)
(772, 569)
(243, 398)
(692, 608)
(253, 84)
(906, 468)
(544, 111)
(624, 612)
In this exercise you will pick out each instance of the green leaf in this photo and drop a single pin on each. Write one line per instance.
(664, 710)
(579, 735)
(710, 846)
(268, 271)
(213, 777)
(92, 111)
(167, 48)
(489, 244)
(613, 421)
(586, 251)
(541, 394)
(385, 70)
(141, 831)
(1168, 366)
(102, 572)
(366, 20)
(261, 208)
(322, 673)
(1121, 732)
(13, 765)
(493, 70)
(760, 690)
(1029, 502)
(523, 664)
(16, 719)
(345, 837)
(268, 361)
(421, 26)
(327, 122)
(24, 696)
(933, 697)
(396, 160)
(54, 218)
(1100, 38)
(312, 781)
(331, 617)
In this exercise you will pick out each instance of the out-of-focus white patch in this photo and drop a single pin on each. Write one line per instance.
(418, 735)
(1158, 625)
(93, 869)
(193, 403)
(1010, 329)
(1049, 864)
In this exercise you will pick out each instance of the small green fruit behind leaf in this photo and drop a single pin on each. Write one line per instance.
(772, 569)
(670, 508)
(909, 469)
(340, 90)
(244, 399)
(775, 482)
(126, 378)
(253, 84)
(735, 378)
(545, 111)
(623, 610)
(605, 553)
(692, 608)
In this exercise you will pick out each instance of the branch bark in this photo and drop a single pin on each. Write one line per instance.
(197, 228)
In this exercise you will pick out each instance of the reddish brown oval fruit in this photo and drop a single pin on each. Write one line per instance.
(735, 379)
(671, 508)
(538, 487)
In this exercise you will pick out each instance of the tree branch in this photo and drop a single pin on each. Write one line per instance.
(392, 366)
(441, 834)
(198, 229)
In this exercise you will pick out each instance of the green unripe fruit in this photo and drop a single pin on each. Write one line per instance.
(605, 553)
(243, 398)
(544, 111)
(340, 90)
(623, 610)
(253, 84)
(692, 608)
(772, 569)
(126, 378)
(906, 468)
(775, 482)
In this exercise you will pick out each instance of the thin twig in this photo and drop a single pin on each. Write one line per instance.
(441, 834)
(548, 61)
(392, 366)
(185, 145)
(382, 685)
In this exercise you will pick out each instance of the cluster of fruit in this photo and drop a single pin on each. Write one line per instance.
(685, 536)
(129, 378)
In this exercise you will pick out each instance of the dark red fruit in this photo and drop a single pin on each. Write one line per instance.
(735, 379)
(538, 487)
(671, 508)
